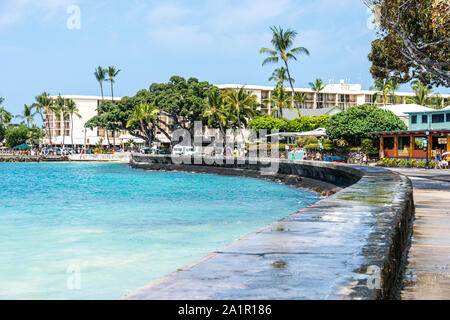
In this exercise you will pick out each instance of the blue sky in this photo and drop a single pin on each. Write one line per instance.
(213, 40)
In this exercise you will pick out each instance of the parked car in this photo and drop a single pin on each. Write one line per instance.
(335, 159)
(183, 151)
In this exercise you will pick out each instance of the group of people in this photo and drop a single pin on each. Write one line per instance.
(362, 159)
(441, 162)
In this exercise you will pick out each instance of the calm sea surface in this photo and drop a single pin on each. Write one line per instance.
(122, 228)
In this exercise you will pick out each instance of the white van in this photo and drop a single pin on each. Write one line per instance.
(183, 150)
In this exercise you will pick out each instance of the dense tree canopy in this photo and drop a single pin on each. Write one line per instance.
(22, 134)
(300, 124)
(414, 41)
(355, 123)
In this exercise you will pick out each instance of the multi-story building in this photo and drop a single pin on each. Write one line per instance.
(342, 95)
(429, 133)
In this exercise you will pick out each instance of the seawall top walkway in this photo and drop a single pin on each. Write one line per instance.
(427, 275)
(325, 251)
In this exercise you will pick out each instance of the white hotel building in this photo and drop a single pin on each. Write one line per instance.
(341, 95)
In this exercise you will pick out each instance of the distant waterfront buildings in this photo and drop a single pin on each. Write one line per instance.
(340, 95)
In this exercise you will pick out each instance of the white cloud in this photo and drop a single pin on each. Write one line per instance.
(14, 11)
(167, 12)
(224, 26)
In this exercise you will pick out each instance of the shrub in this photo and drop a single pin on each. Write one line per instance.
(370, 146)
(312, 140)
(312, 147)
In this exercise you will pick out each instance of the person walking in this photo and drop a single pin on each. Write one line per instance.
(365, 160)
(438, 160)
(358, 158)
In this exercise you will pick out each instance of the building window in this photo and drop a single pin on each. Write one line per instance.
(448, 117)
(414, 119)
(420, 143)
(368, 99)
(404, 143)
(389, 143)
(437, 118)
(424, 119)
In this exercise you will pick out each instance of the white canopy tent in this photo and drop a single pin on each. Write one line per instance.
(320, 132)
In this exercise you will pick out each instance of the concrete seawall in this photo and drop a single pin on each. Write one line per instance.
(25, 158)
(116, 157)
(351, 245)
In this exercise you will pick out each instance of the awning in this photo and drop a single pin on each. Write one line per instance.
(320, 132)
(22, 147)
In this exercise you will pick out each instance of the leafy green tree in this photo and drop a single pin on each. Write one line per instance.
(356, 123)
(282, 43)
(413, 41)
(268, 123)
(16, 136)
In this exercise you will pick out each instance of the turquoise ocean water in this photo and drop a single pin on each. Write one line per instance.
(122, 228)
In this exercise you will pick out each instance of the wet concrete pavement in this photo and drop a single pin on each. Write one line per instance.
(324, 251)
(427, 274)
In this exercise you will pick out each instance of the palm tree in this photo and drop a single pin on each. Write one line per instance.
(393, 87)
(112, 73)
(27, 114)
(145, 115)
(73, 111)
(300, 98)
(5, 116)
(61, 113)
(422, 93)
(241, 103)
(280, 99)
(100, 75)
(383, 87)
(317, 86)
(215, 110)
(43, 107)
(282, 42)
(280, 76)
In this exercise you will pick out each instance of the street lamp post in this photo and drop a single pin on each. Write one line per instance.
(428, 146)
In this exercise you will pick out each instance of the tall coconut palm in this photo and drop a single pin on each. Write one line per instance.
(73, 111)
(280, 76)
(112, 74)
(382, 87)
(27, 114)
(5, 117)
(280, 100)
(145, 115)
(215, 110)
(241, 103)
(100, 75)
(422, 93)
(317, 86)
(62, 114)
(43, 107)
(300, 98)
(282, 42)
(393, 87)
